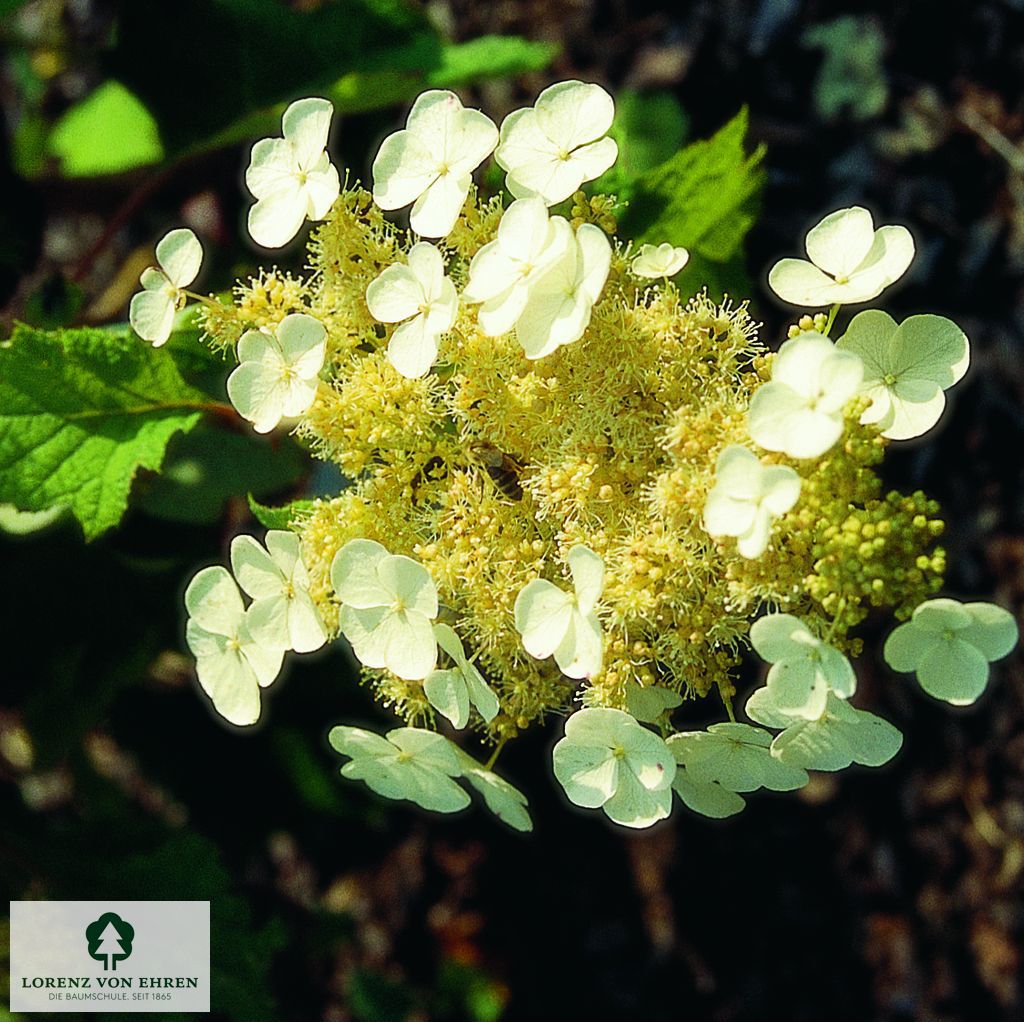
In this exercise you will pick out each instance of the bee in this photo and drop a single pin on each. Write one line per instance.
(502, 468)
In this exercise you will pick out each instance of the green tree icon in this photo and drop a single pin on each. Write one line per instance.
(110, 940)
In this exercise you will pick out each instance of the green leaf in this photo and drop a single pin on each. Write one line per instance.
(649, 128)
(81, 411)
(409, 70)
(278, 517)
(108, 132)
(705, 199)
(204, 469)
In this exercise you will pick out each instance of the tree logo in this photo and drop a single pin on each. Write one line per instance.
(110, 940)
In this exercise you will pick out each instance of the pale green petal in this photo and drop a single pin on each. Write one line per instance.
(277, 216)
(267, 620)
(993, 630)
(402, 170)
(891, 253)
(780, 488)
(413, 348)
(428, 748)
(543, 614)
(257, 346)
(254, 568)
(264, 661)
(306, 630)
(589, 774)
(906, 646)
(322, 188)
(727, 516)
(761, 708)
(410, 582)
(801, 283)
(151, 314)
(916, 406)
(212, 599)
(634, 805)
(481, 695)
(303, 343)
(411, 651)
(354, 574)
(435, 211)
(929, 348)
(369, 631)
(501, 798)
(358, 743)
(231, 684)
(395, 295)
(446, 692)
(707, 798)
(306, 124)
(257, 395)
(587, 570)
(954, 671)
(580, 654)
(649, 703)
(939, 615)
(180, 255)
(797, 688)
(780, 636)
(841, 241)
(870, 336)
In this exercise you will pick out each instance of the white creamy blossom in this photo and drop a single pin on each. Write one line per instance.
(949, 646)
(453, 690)
(408, 763)
(736, 756)
(232, 666)
(663, 260)
(562, 298)
(606, 760)
(277, 374)
(551, 148)
(565, 625)
(747, 497)
(430, 162)
(849, 261)
(151, 313)
(283, 614)
(389, 602)
(804, 669)
(422, 300)
(503, 272)
(292, 178)
(800, 410)
(907, 368)
(841, 736)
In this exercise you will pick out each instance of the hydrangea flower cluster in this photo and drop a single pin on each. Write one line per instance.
(572, 489)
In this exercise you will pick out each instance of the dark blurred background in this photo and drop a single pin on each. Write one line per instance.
(876, 895)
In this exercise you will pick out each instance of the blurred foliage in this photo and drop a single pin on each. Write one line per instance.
(852, 79)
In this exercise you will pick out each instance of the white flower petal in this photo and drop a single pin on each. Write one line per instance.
(277, 216)
(256, 395)
(587, 570)
(151, 315)
(354, 575)
(254, 568)
(213, 601)
(435, 211)
(306, 124)
(543, 614)
(180, 255)
(841, 242)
